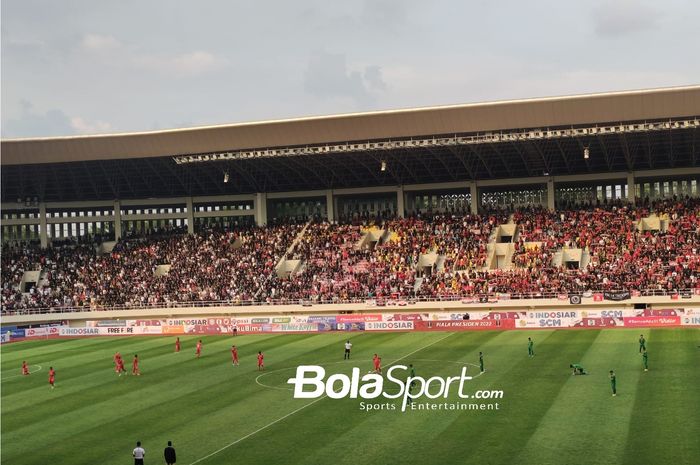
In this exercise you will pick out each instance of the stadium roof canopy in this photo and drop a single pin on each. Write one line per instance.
(621, 131)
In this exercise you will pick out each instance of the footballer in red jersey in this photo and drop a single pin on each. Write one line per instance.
(120, 366)
(377, 364)
(198, 351)
(135, 366)
(52, 377)
(234, 355)
(177, 345)
(261, 363)
(25, 368)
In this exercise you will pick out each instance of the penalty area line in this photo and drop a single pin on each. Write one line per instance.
(301, 408)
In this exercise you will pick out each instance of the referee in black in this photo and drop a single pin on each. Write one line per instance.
(169, 453)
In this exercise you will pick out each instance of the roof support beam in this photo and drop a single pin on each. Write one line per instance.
(605, 152)
(541, 154)
(459, 154)
(564, 158)
(436, 154)
(626, 151)
(481, 159)
(522, 157)
(506, 165)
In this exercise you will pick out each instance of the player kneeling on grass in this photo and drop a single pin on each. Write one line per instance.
(578, 369)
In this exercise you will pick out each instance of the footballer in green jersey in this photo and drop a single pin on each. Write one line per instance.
(613, 383)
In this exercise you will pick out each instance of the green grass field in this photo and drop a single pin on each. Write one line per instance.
(547, 416)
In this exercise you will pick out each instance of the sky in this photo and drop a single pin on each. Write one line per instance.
(97, 66)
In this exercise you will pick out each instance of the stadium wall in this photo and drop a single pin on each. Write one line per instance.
(571, 318)
(596, 302)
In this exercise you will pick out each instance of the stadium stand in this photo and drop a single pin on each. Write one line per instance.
(522, 199)
(422, 256)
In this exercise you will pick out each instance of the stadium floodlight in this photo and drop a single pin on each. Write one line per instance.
(383, 166)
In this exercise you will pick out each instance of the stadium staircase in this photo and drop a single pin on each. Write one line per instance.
(373, 236)
(572, 258)
(30, 278)
(287, 266)
(501, 246)
(653, 223)
(106, 247)
(429, 262)
(162, 270)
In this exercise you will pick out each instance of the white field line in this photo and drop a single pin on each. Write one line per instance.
(17, 376)
(303, 407)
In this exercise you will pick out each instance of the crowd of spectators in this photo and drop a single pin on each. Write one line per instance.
(232, 265)
(380, 258)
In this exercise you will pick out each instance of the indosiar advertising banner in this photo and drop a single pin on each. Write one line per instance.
(389, 325)
(86, 331)
(691, 317)
(571, 319)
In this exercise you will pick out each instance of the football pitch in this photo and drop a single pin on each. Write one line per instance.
(216, 413)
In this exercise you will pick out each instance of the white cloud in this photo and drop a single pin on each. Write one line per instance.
(99, 43)
(195, 63)
(184, 64)
(82, 126)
